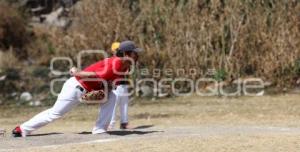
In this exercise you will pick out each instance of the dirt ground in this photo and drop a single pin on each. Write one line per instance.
(269, 123)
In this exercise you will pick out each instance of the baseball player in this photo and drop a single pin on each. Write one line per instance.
(121, 93)
(79, 84)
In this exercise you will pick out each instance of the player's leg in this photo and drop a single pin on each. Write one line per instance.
(124, 100)
(113, 119)
(124, 109)
(119, 91)
(67, 99)
(105, 114)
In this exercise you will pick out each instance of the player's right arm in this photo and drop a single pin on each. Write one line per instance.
(83, 74)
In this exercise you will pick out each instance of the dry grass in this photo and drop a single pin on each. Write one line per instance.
(269, 110)
(189, 112)
(258, 143)
(8, 60)
(256, 38)
(242, 38)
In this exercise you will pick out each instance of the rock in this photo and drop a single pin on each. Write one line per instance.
(38, 7)
(68, 3)
(163, 95)
(35, 103)
(14, 94)
(49, 12)
(145, 91)
(268, 83)
(53, 18)
(262, 93)
(2, 78)
(298, 82)
(26, 96)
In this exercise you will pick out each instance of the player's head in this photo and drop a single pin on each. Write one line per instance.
(128, 49)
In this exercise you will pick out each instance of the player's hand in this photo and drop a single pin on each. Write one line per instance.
(73, 71)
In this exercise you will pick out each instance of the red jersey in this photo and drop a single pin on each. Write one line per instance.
(106, 69)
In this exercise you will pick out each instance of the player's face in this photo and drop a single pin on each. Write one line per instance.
(134, 56)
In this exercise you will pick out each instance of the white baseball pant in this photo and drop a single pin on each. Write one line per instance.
(68, 99)
(122, 99)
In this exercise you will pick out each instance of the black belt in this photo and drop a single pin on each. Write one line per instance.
(80, 88)
(124, 82)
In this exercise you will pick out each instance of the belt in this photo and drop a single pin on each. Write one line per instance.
(80, 88)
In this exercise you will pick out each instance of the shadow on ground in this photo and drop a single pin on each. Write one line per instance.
(128, 132)
(144, 127)
(123, 132)
(46, 134)
(134, 132)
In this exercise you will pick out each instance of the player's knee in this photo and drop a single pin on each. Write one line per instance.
(54, 116)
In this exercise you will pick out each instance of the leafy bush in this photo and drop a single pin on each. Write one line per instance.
(13, 30)
(220, 75)
(297, 67)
